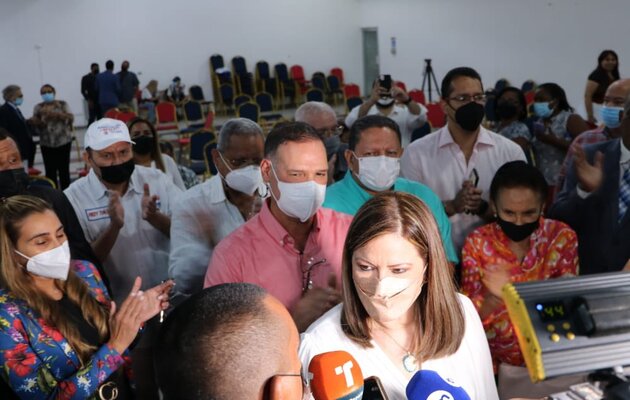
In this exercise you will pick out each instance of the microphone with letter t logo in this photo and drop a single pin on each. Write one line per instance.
(335, 375)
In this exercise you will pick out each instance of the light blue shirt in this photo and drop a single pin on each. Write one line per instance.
(347, 196)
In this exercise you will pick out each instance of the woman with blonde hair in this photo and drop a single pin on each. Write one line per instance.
(60, 336)
(400, 311)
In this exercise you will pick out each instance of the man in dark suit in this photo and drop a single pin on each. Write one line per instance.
(595, 201)
(13, 121)
(88, 90)
(108, 87)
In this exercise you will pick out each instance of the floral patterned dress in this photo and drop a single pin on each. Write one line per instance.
(552, 254)
(39, 363)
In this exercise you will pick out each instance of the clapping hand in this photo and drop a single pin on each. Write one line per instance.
(590, 176)
(149, 204)
(115, 209)
(494, 277)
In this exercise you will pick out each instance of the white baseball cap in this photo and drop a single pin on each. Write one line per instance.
(105, 132)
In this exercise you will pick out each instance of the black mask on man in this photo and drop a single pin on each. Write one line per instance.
(470, 116)
(516, 233)
(120, 173)
(506, 110)
(13, 182)
(143, 145)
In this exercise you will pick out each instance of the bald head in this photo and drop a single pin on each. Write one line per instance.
(319, 115)
(225, 342)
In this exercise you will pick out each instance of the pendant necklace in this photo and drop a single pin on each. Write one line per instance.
(409, 361)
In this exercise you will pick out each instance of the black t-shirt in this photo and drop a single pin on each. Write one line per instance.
(603, 81)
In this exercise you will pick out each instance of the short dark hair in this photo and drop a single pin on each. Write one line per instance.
(48, 85)
(455, 73)
(518, 174)
(371, 121)
(212, 346)
(557, 93)
(93, 65)
(521, 100)
(4, 133)
(109, 64)
(289, 132)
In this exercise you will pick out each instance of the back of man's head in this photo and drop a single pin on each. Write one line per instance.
(222, 343)
(313, 111)
(455, 73)
(109, 65)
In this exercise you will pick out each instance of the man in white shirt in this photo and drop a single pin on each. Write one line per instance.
(459, 160)
(124, 210)
(207, 213)
(393, 103)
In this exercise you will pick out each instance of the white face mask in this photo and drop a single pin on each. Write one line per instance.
(299, 200)
(53, 263)
(385, 102)
(246, 180)
(378, 173)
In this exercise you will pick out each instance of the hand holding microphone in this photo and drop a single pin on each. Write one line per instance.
(429, 385)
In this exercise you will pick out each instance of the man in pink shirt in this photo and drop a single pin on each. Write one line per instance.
(293, 247)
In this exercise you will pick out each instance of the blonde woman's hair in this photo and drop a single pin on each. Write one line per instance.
(438, 313)
(14, 278)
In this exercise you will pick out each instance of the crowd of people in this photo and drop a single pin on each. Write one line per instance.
(317, 236)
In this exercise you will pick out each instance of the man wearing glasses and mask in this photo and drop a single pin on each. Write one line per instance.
(208, 212)
(393, 102)
(292, 248)
(322, 117)
(459, 160)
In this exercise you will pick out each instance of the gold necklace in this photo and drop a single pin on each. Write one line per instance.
(409, 361)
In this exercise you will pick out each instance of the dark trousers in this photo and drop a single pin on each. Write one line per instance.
(94, 112)
(57, 164)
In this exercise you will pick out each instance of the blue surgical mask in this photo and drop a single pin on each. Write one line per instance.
(18, 102)
(542, 109)
(48, 97)
(611, 116)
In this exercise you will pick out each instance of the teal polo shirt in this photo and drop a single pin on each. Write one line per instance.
(347, 196)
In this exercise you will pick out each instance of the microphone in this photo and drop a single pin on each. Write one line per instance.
(335, 375)
(429, 385)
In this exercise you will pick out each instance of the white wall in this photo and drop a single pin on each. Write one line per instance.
(162, 39)
(545, 40)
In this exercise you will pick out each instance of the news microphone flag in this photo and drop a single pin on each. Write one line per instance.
(429, 385)
(335, 375)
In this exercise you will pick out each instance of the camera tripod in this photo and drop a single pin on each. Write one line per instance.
(427, 77)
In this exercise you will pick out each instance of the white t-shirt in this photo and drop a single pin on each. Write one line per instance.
(470, 366)
(140, 249)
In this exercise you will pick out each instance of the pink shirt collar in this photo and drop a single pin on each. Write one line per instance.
(271, 225)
